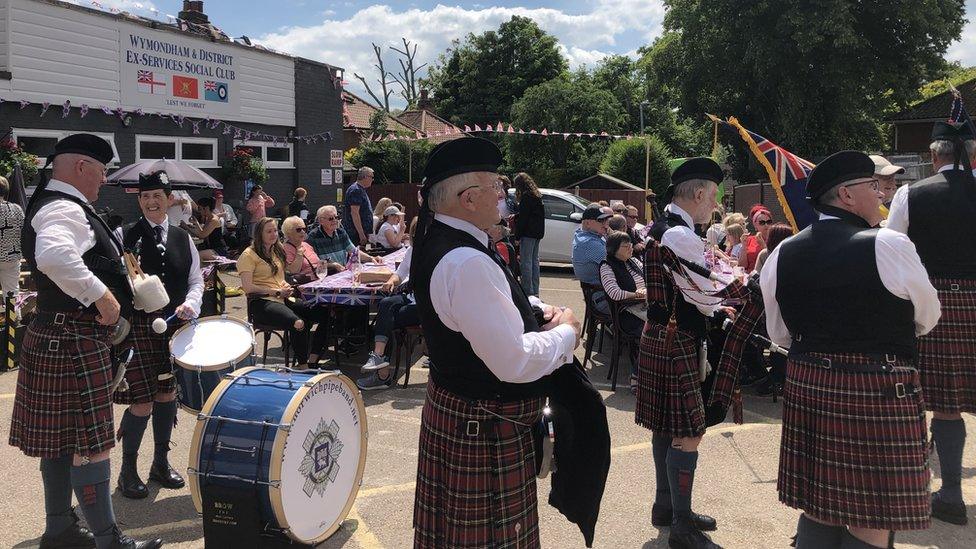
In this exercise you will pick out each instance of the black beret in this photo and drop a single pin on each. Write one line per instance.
(84, 143)
(153, 181)
(701, 167)
(468, 154)
(836, 169)
(949, 131)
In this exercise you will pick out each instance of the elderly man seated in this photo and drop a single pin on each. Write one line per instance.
(331, 242)
(589, 251)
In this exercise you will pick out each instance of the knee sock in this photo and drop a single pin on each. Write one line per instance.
(950, 438)
(56, 475)
(849, 541)
(811, 534)
(681, 477)
(131, 429)
(163, 420)
(660, 444)
(91, 486)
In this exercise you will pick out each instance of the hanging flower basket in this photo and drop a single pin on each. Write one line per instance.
(242, 165)
(10, 154)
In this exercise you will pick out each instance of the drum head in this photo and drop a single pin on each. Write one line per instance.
(320, 460)
(212, 343)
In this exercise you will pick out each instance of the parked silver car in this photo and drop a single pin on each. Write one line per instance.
(564, 211)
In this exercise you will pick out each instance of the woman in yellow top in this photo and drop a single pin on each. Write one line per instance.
(270, 299)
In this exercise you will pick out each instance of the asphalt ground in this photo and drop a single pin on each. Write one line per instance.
(735, 481)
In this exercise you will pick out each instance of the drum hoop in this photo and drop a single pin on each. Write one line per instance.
(201, 427)
(278, 450)
(215, 367)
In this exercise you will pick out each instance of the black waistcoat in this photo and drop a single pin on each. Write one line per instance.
(831, 295)
(688, 317)
(172, 267)
(940, 209)
(103, 260)
(453, 364)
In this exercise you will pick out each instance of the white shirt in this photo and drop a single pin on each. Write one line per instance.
(194, 294)
(687, 245)
(180, 213)
(901, 272)
(381, 235)
(403, 271)
(63, 236)
(898, 212)
(228, 217)
(470, 294)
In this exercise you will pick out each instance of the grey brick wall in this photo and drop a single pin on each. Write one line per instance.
(318, 109)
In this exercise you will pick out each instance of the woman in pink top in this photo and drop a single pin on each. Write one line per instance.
(258, 202)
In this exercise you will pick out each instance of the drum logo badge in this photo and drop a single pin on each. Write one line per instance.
(320, 464)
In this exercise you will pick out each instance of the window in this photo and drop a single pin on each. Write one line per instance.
(557, 208)
(274, 155)
(200, 152)
(41, 142)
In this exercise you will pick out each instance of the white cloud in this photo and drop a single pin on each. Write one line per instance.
(584, 38)
(964, 50)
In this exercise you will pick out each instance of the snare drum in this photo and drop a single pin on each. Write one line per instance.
(206, 349)
(297, 439)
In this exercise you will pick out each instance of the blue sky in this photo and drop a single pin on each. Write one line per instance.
(340, 32)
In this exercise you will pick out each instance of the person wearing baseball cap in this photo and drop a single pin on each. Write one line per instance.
(590, 248)
(885, 172)
(849, 301)
(63, 410)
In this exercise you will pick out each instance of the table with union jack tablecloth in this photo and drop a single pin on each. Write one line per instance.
(340, 289)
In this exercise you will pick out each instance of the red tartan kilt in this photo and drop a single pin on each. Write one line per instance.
(475, 491)
(63, 403)
(669, 399)
(849, 455)
(947, 354)
(150, 358)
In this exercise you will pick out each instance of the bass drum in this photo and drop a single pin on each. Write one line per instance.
(297, 439)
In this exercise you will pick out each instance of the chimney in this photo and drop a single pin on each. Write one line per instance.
(193, 12)
(423, 103)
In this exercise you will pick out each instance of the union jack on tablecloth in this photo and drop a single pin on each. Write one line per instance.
(788, 174)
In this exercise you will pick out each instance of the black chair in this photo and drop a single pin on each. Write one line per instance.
(407, 339)
(618, 308)
(593, 320)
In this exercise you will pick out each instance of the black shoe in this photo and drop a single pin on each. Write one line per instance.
(72, 537)
(753, 381)
(953, 513)
(661, 517)
(122, 541)
(684, 535)
(348, 349)
(165, 475)
(765, 387)
(130, 485)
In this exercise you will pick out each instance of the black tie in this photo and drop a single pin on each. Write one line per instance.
(158, 229)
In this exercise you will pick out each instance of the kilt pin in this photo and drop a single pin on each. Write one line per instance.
(476, 473)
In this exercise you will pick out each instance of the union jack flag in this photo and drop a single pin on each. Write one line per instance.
(787, 172)
(147, 83)
(957, 111)
(209, 85)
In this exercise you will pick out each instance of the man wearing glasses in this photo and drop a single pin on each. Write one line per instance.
(885, 172)
(62, 412)
(849, 300)
(936, 213)
(331, 242)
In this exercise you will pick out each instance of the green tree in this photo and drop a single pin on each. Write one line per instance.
(623, 78)
(392, 161)
(570, 103)
(626, 159)
(478, 80)
(955, 74)
(814, 76)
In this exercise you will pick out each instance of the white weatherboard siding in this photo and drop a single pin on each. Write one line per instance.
(59, 53)
(4, 8)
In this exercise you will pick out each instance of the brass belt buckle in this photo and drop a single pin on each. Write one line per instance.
(473, 428)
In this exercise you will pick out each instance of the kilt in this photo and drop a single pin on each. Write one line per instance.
(848, 454)
(476, 491)
(669, 399)
(947, 354)
(151, 358)
(63, 403)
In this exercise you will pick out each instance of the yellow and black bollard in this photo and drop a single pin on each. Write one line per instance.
(9, 338)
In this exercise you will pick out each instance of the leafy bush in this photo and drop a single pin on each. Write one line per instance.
(625, 160)
(242, 165)
(10, 154)
(392, 161)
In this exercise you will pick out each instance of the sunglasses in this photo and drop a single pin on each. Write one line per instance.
(301, 229)
(764, 222)
(330, 218)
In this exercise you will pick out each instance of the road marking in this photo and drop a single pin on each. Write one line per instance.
(388, 489)
(6, 396)
(575, 290)
(363, 535)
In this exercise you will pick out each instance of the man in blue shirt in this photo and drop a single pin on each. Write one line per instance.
(358, 216)
(590, 249)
